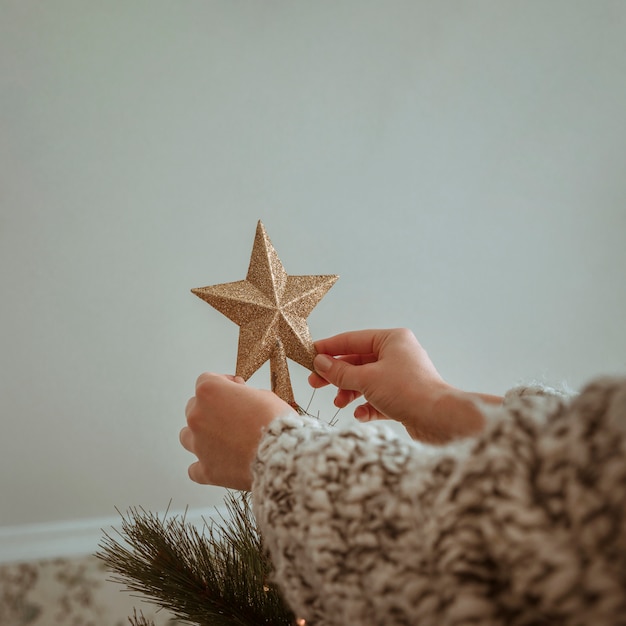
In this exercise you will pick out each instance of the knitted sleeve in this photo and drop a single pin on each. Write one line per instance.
(523, 525)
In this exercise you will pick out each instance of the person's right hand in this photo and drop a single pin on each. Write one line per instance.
(397, 379)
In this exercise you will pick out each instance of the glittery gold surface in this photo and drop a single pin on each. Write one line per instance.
(271, 309)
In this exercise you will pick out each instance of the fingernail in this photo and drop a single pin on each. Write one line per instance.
(322, 363)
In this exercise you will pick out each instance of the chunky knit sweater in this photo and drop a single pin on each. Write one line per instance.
(524, 524)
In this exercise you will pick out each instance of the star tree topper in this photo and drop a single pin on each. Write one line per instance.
(270, 307)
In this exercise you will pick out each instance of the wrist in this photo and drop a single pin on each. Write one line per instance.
(453, 414)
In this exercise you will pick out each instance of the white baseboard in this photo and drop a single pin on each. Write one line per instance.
(35, 542)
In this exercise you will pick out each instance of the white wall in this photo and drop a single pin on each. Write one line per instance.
(460, 165)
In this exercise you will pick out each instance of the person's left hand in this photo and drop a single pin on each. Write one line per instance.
(225, 422)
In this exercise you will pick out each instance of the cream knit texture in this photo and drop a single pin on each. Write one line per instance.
(524, 524)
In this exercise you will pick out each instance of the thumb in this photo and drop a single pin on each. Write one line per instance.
(339, 373)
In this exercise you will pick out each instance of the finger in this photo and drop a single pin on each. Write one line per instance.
(186, 438)
(345, 396)
(316, 381)
(234, 378)
(204, 377)
(342, 375)
(196, 473)
(356, 359)
(208, 384)
(353, 342)
(366, 413)
(360, 359)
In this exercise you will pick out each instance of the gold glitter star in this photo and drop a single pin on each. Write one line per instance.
(271, 309)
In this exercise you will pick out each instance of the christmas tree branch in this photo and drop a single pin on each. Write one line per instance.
(215, 577)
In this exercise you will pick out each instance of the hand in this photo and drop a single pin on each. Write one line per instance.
(397, 379)
(225, 422)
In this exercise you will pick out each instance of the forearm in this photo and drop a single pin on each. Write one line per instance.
(331, 505)
(361, 524)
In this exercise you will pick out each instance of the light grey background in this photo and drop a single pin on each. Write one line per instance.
(459, 164)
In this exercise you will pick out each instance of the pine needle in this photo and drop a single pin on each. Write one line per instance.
(140, 620)
(219, 576)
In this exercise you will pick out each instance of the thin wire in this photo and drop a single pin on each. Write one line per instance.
(310, 401)
(334, 419)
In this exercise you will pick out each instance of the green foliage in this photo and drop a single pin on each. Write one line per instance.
(140, 620)
(217, 576)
